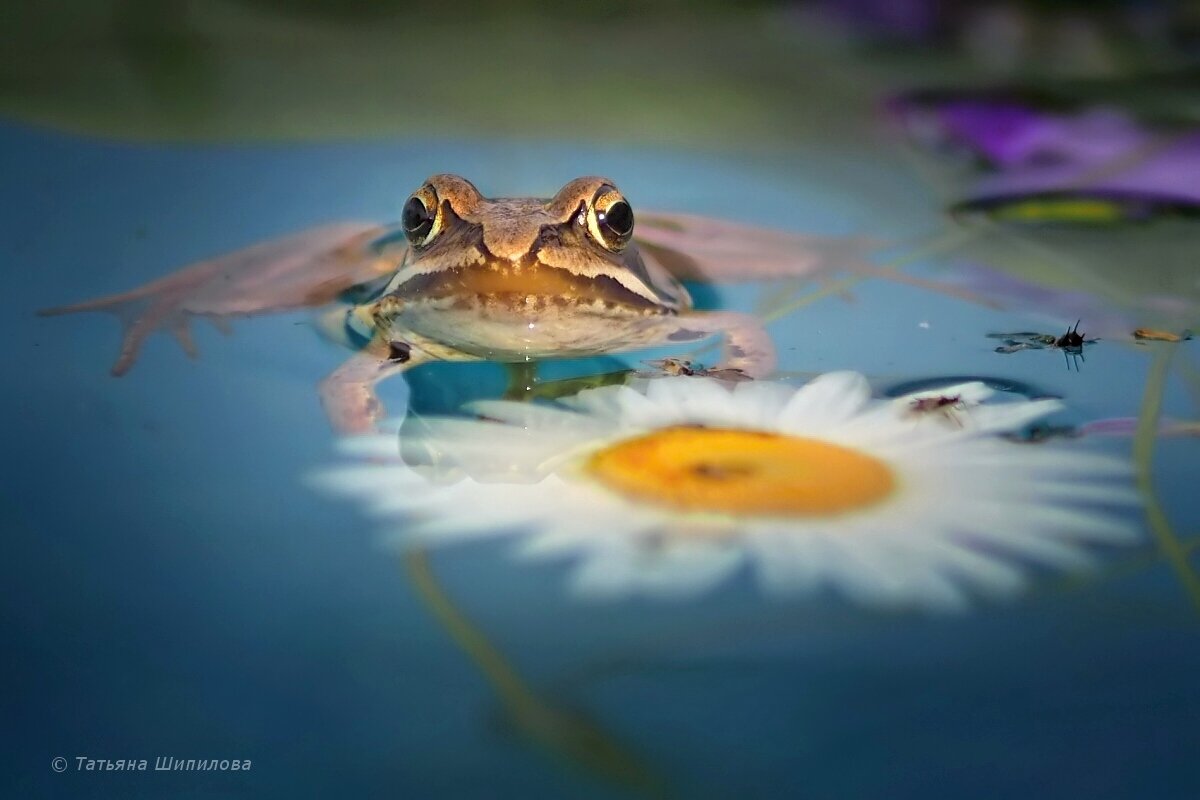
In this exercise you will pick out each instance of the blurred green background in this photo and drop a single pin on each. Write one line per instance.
(709, 74)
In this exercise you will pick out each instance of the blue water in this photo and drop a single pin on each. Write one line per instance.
(172, 589)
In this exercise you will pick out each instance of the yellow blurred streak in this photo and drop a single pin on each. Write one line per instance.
(1143, 455)
(567, 733)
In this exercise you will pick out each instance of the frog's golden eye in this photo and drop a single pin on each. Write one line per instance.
(422, 216)
(610, 219)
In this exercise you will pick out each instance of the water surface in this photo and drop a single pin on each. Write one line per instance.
(175, 590)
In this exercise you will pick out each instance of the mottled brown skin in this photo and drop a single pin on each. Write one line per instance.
(512, 279)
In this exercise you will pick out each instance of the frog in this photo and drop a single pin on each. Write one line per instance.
(519, 280)
(464, 277)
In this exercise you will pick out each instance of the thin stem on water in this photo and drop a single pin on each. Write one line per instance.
(1143, 454)
(947, 241)
(562, 731)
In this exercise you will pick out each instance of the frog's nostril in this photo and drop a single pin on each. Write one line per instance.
(399, 352)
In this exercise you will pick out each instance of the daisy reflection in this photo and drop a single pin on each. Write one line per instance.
(672, 488)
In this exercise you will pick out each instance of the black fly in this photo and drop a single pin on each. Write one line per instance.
(1070, 343)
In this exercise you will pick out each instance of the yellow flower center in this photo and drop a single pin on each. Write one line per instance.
(742, 472)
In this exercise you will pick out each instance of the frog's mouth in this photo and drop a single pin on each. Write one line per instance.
(523, 284)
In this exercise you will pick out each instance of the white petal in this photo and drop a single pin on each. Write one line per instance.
(789, 562)
(986, 571)
(601, 528)
(857, 572)
(504, 514)
(1054, 492)
(1069, 523)
(370, 446)
(759, 403)
(540, 419)
(554, 543)
(609, 402)
(488, 450)
(694, 400)
(679, 571)
(364, 480)
(1008, 417)
(1030, 462)
(1044, 550)
(825, 401)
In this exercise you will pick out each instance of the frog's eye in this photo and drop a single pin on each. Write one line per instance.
(421, 217)
(610, 219)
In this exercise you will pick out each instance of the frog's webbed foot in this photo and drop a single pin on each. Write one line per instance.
(698, 248)
(747, 351)
(304, 270)
(140, 318)
(695, 248)
(140, 315)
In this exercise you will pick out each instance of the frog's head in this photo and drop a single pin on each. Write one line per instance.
(575, 247)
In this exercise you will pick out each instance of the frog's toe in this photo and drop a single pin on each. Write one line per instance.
(183, 335)
(138, 327)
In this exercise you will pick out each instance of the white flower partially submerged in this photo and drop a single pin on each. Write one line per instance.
(670, 490)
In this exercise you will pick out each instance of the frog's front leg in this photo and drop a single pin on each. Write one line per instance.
(348, 393)
(746, 348)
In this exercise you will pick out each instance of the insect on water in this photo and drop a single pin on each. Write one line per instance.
(683, 366)
(1071, 343)
(945, 406)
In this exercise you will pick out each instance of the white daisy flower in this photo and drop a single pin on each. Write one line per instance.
(670, 489)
